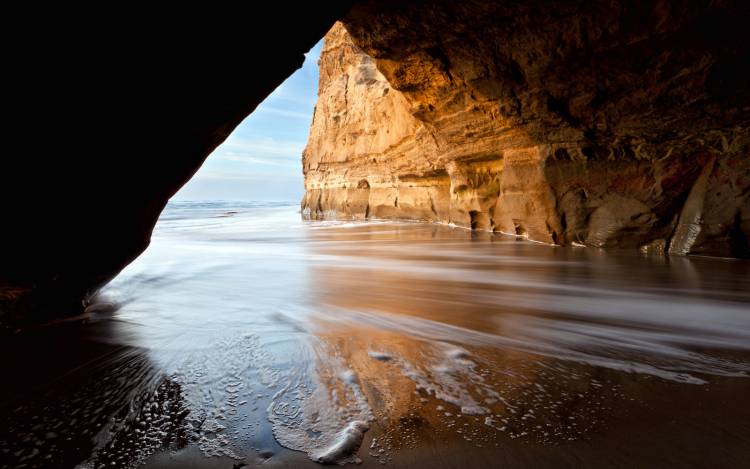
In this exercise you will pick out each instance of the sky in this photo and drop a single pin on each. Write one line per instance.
(262, 158)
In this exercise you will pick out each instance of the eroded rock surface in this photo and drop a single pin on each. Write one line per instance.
(610, 125)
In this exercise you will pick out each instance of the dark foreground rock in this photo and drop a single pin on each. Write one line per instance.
(110, 113)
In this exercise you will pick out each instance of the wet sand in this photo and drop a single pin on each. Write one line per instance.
(246, 336)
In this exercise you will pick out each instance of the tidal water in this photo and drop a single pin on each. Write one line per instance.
(247, 336)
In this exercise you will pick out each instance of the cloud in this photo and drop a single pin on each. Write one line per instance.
(284, 112)
(221, 175)
(261, 149)
(242, 158)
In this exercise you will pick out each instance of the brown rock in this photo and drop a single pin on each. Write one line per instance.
(614, 125)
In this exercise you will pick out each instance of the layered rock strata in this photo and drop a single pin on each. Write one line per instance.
(615, 125)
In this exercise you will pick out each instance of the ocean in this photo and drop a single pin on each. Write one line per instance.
(247, 335)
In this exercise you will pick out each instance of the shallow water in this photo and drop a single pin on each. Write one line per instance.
(245, 335)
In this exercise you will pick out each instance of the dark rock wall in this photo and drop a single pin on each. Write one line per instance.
(107, 114)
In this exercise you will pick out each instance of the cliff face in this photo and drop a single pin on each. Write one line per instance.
(611, 125)
(364, 140)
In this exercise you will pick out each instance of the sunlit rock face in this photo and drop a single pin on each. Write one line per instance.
(367, 154)
(610, 125)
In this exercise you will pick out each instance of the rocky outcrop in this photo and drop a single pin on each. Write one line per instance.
(603, 124)
(364, 140)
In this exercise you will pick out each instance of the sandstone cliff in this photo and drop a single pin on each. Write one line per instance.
(615, 125)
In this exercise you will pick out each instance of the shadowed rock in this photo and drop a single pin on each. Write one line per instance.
(109, 116)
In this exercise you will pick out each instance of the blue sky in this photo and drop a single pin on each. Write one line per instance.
(262, 159)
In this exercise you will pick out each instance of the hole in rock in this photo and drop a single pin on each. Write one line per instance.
(520, 229)
(479, 220)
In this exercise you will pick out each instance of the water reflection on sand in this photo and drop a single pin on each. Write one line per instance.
(411, 344)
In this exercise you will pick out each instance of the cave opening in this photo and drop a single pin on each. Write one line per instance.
(480, 220)
(250, 334)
